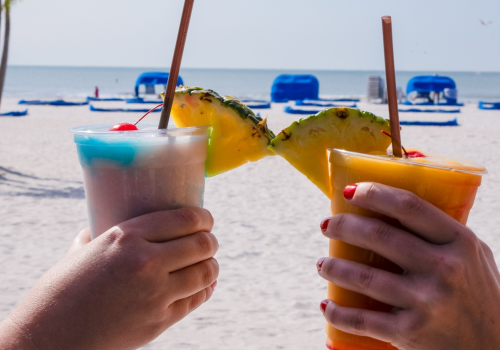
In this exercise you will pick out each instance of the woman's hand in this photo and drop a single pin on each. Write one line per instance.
(449, 295)
(121, 290)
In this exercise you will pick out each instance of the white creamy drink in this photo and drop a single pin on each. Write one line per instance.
(132, 173)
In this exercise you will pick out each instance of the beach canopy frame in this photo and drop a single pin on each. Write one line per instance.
(151, 79)
(294, 87)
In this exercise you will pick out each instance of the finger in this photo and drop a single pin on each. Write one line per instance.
(378, 284)
(181, 308)
(194, 278)
(378, 325)
(82, 238)
(189, 250)
(417, 215)
(399, 246)
(166, 225)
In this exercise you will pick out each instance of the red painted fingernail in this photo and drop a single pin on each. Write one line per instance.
(323, 305)
(213, 285)
(349, 191)
(320, 263)
(324, 224)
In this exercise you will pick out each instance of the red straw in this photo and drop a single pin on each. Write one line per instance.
(144, 116)
(176, 64)
(392, 98)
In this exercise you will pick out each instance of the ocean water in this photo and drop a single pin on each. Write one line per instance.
(61, 82)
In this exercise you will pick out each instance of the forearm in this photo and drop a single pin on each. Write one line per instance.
(13, 338)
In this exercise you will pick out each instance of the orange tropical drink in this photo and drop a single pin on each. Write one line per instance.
(448, 184)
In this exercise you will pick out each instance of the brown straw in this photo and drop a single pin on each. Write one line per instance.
(392, 98)
(176, 64)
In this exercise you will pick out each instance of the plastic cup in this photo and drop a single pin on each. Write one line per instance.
(131, 173)
(448, 185)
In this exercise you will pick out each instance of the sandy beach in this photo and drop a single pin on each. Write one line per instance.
(268, 292)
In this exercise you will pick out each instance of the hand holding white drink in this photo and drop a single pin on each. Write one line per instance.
(122, 289)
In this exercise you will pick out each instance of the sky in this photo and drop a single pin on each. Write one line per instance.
(430, 35)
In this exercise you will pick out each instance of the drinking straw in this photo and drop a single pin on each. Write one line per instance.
(176, 64)
(392, 98)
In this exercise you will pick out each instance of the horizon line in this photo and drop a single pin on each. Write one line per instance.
(251, 69)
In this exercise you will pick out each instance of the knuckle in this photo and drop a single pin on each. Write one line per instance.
(117, 236)
(189, 216)
(379, 231)
(141, 263)
(209, 271)
(206, 242)
(409, 203)
(413, 326)
(472, 242)
(365, 277)
(486, 249)
(336, 224)
(371, 191)
(196, 300)
(453, 272)
(357, 321)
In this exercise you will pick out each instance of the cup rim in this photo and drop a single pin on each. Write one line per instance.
(406, 160)
(172, 129)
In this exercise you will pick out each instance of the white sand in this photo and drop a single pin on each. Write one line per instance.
(267, 217)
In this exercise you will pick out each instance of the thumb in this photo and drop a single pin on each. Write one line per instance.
(79, 241)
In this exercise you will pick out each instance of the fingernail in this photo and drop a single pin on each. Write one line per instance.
(213, 285)
(323, 305)
(349, 191)
(320, 263)
(324, 224)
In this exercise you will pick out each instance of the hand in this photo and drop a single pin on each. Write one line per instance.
(449, 295)
(79, 241)
(121, 290)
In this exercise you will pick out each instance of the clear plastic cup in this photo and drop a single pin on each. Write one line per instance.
(449, 185)
(132, 173)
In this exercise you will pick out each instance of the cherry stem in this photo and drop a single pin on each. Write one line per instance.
(387, 134)
(152, 109)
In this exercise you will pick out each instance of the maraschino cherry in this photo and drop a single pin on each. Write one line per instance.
(411, 154)
(123, 127)
(131, 127)
(415, 154)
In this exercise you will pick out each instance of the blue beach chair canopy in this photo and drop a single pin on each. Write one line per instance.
(153, 78)
(294, 87)
(424, 84)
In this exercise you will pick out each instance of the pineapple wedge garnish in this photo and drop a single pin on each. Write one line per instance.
(237, 136)
(304, 143)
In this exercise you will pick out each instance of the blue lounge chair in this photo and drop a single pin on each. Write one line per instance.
(489, 105)
(14, 114)
(452, 122)
(417, 110)
(105, 99)
(291, 110)
(133, 110)
(52, 103)
(142, 101)
(335, 99)
(311, 103)
(257, 104)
